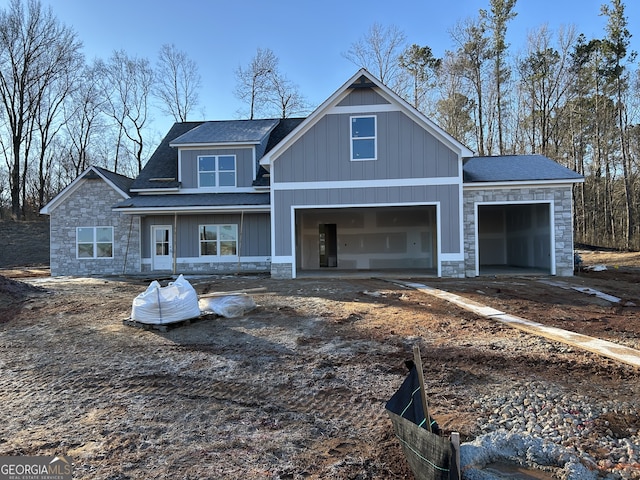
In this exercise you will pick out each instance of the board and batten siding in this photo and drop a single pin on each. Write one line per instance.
(363, 96)
(245, 165)
(447, 198)
(255, 241)
(404, 150)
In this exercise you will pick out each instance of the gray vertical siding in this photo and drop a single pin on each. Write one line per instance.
(255, 241)
(405, 150)
(245, 165)
(446, 195)
(362, 96)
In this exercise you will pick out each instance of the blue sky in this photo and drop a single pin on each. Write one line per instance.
(308, 37)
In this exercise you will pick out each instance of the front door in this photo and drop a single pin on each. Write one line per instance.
(161, 247)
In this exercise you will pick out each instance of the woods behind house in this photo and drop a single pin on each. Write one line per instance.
(572, 98)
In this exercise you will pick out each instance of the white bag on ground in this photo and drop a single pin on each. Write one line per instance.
(230, 306)
(157, 305)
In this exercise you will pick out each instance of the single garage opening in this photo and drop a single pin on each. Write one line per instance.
(514, 237)
(366, 239)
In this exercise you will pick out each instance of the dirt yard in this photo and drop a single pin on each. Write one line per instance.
(296, 388)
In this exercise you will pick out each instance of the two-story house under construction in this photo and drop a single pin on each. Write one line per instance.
(365, 183)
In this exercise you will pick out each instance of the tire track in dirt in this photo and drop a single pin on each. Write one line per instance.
(339, 403)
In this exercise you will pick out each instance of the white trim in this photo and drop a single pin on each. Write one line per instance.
(198, 146)
(180, 167)
(294, 251)
(392, 182)
(73, 186)
(292, 258)
(552, 228)
(519, 184)
(95, 242)
(154, 191)
(217, 190)
(330, 103)
(216, 171)
(218, 240)
(363, 110)
(374, 138)
(452, 257)
(282, 259)
(231, 259)
(203, 209)
(170, 245)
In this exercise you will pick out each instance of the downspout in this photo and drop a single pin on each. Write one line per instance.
(175, 241)
(126, 250)
(240, 239)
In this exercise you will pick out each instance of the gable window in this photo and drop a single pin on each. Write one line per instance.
(363, 138)
(217, 171)
(94, 242)
(218, 240)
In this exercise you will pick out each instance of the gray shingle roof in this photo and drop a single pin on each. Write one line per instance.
(510, 168)
(202, 200)
(120, 181)
(228, 131)
(164, 161)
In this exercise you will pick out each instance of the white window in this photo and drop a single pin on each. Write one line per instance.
(363, 138)
(94, 242)
(217, 171)
(218, 240)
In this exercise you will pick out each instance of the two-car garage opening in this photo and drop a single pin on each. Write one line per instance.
(367, 239)
(515, 237)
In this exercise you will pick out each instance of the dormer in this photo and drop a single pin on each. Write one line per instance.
(221, 156)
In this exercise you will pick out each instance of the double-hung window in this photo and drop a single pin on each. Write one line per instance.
(218, 240)
(363, 138)
(217, 171)
(94, 242)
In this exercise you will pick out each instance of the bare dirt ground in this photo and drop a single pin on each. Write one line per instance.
(296, 388)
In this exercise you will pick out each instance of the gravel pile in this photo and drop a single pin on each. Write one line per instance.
(542, 426)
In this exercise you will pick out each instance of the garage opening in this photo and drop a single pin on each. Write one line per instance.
(367, 239)
(514, 238)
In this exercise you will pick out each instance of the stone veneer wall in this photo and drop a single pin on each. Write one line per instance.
(452, 270)
(215, 268)
(89, 205)
(562, 198)
(281, 271)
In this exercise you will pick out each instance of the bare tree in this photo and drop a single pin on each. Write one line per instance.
(178, 82)
(83, 120)
(254, 82)
(378, 51)
(546, 85)
(36, 52)
(285, 97)
(126, 85)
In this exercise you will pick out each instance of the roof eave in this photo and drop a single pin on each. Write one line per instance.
(197, 209)
(518, 183)
(145, 191)
(337, 96)
(247, 143)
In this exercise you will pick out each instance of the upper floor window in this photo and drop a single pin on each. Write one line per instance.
(363, 138)
(218, 240)
(94, 242)
(217, 171)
